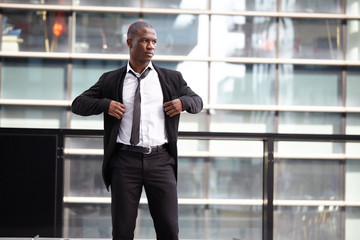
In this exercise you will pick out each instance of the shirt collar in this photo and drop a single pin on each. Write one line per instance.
(129, 68)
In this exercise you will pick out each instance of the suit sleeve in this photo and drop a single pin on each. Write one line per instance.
(191, 102)
(91, 102)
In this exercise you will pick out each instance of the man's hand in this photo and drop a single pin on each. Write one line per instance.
(116, 109)
(173, 107)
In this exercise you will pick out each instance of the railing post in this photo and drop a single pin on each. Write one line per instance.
(268, 189)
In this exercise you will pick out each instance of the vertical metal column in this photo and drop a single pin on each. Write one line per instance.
(268, 190)
(59, 184)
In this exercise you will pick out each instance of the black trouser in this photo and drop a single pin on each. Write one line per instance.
(130, 172)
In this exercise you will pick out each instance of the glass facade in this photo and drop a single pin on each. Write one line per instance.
(276, 66)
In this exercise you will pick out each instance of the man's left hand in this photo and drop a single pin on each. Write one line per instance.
(173, 107)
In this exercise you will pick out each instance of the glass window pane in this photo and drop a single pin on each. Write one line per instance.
(309, 85)
(320, 223)
(195, 222)
(234, 222)
(310, 38)
(197, 80)
(57, 2)
(238, 36)
(353, 7)
(87, 122)
(352, 223)
(242, 121)
(32, 117)
(352, 87)
(242, 84)
(33, 78)
(87, 72)
(294, 149)
(310, 123)
(247, 5)
(84, 175)
(352, 176)
(39, 31)
(106, 33)
(193, 122)
(307, 179)
(183, 34)
(318, 6)
(115, 3)
(87, 221)
(353, 123)
(353, 38)
(178, 4)
(247, 172)
(191, 177)
(97, 32)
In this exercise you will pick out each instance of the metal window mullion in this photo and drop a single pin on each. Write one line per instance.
(268, 189)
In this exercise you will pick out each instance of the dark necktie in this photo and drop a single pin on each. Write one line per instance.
(135, 129)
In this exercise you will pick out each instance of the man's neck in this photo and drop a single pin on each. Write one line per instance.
(138, 67)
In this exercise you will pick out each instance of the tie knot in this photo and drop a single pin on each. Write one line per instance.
(142, 75)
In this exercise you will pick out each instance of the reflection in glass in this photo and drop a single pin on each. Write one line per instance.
(195, 222)
(182, 34)
(309, 85)
(352, 7)
(310, 38)
(242, 84)
(84, 176)
(239, 178)
(57, 2)
(87, 221)
(191, 177)
(87, 72)
(352, 223)
(316, 149)
(38, 31)
(246, 5)
(352, 177)
(97, 32)
(107, 33)
(238, 36)
(178, 4)
(84, 143)
(309, 122)
(194, 73)
(353, 123)
(88, 122)
(242, 121)
(352, 87)
(33, 78)
(307, 179)
(322, 6)
(320, 223)
(353, 38)
(108, 3)
(229, 222)
(32, 117)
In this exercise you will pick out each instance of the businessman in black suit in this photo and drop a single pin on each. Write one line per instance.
(145, 156)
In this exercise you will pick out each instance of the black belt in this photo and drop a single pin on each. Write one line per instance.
(144, 150)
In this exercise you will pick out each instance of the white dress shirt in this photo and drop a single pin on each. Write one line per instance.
(152, 118)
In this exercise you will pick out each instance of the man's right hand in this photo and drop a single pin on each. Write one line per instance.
(116, 109)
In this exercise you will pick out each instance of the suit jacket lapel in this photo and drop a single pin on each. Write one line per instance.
(121, 77)
(165, 87)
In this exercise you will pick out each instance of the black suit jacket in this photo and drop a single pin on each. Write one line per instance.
(96, 100)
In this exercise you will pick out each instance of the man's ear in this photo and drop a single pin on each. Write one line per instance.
(129, 42)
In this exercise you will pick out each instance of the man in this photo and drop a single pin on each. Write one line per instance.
(146, 155)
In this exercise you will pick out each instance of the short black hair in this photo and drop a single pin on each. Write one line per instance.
(134, 27)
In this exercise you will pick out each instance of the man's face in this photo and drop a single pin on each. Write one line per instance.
(142, 46)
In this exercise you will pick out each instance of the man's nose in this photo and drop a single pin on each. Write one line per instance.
(151, 45)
